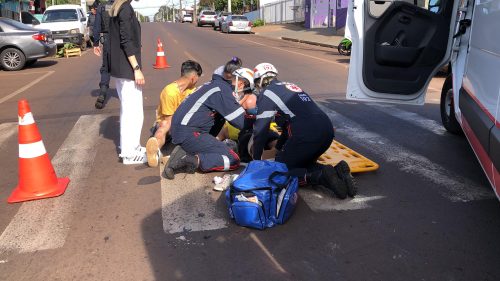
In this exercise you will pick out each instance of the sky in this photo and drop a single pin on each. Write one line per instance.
(150, 7)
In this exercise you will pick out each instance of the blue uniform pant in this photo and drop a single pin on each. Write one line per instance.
(105, 77)
(214, 155)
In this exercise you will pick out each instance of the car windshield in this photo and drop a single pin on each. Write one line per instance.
(60, 15)
(239, 18)
(209, 13)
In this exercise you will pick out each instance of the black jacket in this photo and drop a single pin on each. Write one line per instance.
(125, 41)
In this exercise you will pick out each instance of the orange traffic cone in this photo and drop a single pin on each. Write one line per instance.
(161, 59)
(37, 178)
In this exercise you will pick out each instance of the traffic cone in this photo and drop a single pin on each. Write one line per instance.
(161, 59)
(37, 178)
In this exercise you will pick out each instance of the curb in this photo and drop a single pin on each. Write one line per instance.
(309, 42)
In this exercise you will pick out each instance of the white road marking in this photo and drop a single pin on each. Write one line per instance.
(267, 253)
(44, 224)
(449, 184)
(6, 131)
(31, 84)
(319, 201)
(413, 118)
(297, 53)
(188, 206)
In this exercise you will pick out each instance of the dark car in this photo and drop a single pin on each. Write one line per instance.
(22, 45)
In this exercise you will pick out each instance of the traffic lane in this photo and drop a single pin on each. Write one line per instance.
(310, 68)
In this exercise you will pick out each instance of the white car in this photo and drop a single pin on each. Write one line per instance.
(187, 18)
(67, 23)
(236, 23)
(397, 47)
(219, 19)
(206, 17)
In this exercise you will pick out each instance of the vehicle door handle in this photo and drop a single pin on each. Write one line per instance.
(404, 19)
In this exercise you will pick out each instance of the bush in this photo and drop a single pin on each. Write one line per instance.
(258, 22)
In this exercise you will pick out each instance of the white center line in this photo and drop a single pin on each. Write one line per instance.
(6, 131)
(44, 224)
(31, 84)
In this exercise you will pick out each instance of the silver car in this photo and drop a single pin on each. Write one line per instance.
(236, 23)
(22, 45)
(206, 17)
(221, 17)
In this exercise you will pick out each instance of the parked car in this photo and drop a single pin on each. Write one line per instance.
(219, 19)
(206, 17)
(22, 45)
(399, 46)
(187, 18)
(68, 25)
(236, 23)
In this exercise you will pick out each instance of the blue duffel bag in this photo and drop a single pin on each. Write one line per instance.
(263, 195)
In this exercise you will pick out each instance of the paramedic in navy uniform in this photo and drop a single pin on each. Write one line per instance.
(194, 118)
(307, 132)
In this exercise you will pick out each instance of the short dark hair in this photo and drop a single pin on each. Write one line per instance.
(191, 66)
(232, 65)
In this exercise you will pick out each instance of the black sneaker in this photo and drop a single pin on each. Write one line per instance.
(330, 180)
(344, 173)
(179, 161)
(99, 103)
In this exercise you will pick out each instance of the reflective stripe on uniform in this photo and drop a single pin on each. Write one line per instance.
(197, 105)
(235, 114)
(27, 119)
(32, 150)
(279, 103)
(227, 163)
(266, 114)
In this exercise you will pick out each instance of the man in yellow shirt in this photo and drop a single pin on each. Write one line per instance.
(170, 98)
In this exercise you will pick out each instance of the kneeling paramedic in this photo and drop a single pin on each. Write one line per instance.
(307, 132)
(194, 119)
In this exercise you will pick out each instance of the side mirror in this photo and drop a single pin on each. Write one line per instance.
(35, 22)
(83, 19)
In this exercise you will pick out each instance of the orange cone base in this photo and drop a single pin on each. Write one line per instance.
(160, 66)
(18, 195)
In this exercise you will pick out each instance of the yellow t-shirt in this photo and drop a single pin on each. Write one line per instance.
(170, 99)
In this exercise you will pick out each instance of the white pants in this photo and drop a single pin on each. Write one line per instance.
(131, 115)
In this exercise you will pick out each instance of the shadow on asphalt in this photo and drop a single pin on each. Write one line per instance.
(110, 129)
(42, 64)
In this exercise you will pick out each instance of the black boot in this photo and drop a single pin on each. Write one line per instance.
(344, 173)
(327, 177)
(99, 103)
(179, 160)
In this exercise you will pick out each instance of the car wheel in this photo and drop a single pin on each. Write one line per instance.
(447, 108)
(31, 62)
(12, 59)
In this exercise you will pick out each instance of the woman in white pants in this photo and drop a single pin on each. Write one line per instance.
(125, 66)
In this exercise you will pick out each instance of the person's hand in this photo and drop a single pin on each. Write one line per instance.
(97, 51)
(139, 77)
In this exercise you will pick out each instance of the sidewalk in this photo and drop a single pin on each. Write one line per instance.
(326, 37)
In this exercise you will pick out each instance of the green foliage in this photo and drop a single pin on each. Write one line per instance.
(258, 22)
(67, 46)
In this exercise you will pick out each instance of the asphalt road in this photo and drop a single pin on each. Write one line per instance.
(428, 213)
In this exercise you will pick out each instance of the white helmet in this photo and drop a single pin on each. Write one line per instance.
(245, 73)
(264, 70)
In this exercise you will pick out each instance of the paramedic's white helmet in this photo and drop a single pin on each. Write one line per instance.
(245, 73)
(264, 70)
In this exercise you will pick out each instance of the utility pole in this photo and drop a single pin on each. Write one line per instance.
(195, 12)
(229, 6)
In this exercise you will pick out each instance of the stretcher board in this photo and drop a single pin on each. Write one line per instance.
(357, 162)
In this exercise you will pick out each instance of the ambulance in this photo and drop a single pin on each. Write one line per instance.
(398, 46)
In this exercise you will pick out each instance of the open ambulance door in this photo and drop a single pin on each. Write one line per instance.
(397, 47)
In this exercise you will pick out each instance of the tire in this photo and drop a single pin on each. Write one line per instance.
(448, 117)
(12, 59)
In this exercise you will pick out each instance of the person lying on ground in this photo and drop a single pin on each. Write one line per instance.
(307, 132)
(170, 99)
(193, 121)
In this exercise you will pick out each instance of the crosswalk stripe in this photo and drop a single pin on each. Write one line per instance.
(44, 224)
(6, 131)
(411, 117)
(456, 188)
(188, 204)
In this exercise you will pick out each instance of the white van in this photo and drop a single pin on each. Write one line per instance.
(68, 24)
(398, 46)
